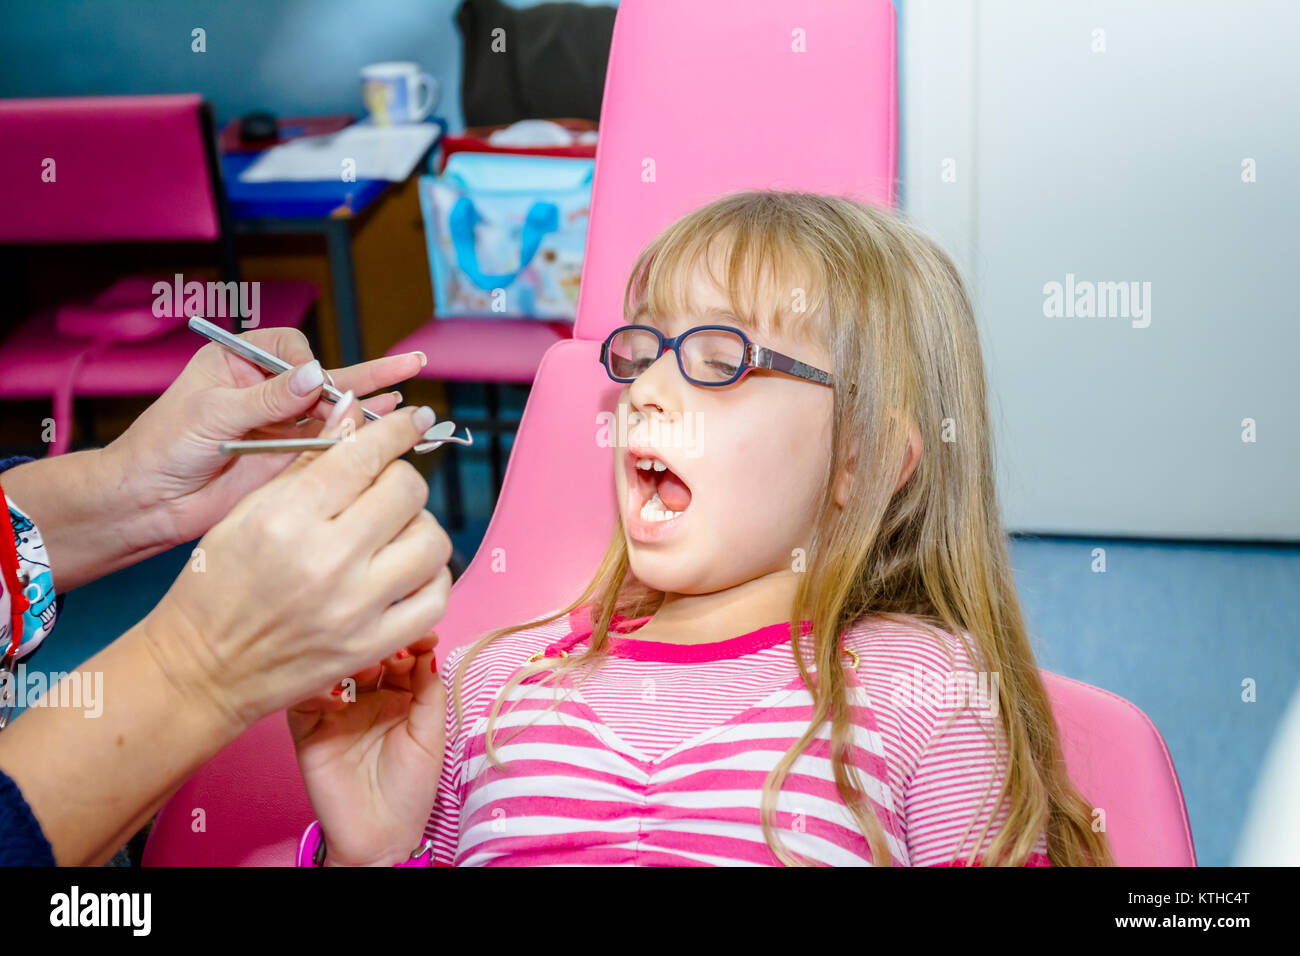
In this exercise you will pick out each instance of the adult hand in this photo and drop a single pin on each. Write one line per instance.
(332, 565)
(165, 481)
(170, 459)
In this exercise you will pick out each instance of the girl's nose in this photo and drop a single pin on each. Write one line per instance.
(661, 370)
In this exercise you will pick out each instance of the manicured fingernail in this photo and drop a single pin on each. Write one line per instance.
(424, 418)
(306, 378)
(340, 409)
(397, 396)
(336, 691)
(424, 359)
(433, 664)
(402, 654)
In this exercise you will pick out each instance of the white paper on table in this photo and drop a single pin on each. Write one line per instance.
(380, 152)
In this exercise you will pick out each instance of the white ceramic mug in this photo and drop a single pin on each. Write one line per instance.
(392, 93)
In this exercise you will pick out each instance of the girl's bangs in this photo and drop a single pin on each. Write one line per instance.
(765, 277)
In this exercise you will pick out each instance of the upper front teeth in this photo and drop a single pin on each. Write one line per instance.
(645, 464)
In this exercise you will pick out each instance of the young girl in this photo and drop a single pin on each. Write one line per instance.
(674, 713)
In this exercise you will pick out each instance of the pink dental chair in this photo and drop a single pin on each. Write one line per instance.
(713, 93)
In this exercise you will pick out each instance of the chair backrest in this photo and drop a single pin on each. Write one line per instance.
(1117, 759)
(703, 99)
(107, 169)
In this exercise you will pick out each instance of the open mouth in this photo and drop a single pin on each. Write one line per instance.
(658, 494)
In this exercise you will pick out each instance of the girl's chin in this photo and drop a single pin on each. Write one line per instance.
(657, 574)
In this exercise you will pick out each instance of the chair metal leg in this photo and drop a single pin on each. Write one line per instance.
(494, 427)
(451, 488)
(311, 329)
(456, 564)
(494, 448)
(84, 412)
(451, 475)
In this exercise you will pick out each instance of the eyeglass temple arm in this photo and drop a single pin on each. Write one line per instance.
(766, 358)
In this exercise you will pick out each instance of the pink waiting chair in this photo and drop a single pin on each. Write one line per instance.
(115, 169)
(708, 123)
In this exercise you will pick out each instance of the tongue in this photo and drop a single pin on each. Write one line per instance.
(673, 493)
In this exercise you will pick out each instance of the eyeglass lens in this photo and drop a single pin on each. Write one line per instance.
(711, 356)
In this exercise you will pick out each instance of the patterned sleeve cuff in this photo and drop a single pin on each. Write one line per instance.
(28, 603)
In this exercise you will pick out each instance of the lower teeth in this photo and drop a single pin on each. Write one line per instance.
(654, 510)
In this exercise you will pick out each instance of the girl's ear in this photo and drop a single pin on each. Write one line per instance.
(845, 481)
(911, 458)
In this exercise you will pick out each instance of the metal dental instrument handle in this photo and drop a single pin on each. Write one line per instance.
(261, 357)
(281, 445)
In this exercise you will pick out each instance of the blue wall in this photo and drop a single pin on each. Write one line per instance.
(289, 56)
(1175, 628)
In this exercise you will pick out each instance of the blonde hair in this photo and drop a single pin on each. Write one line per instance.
(899, 324)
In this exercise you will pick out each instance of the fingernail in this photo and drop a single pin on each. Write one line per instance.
(336, 691)
(397, 395)
(433, 664)
(424, 418)
(306, 378)
(424, 359)
(402, 654)
(339, 410)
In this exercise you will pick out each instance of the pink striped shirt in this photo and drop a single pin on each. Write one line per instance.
(659, 756)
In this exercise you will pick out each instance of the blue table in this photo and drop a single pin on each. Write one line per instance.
(327, 208)
(292, 200)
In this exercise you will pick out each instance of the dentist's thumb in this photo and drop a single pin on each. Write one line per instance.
(290, 394)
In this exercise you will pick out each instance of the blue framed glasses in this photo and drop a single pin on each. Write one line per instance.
(708, 355)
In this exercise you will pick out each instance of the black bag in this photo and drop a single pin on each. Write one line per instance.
(553, 65)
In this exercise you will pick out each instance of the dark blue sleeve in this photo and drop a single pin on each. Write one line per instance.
(24, 842)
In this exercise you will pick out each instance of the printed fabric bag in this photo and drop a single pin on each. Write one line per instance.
(506, 234)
